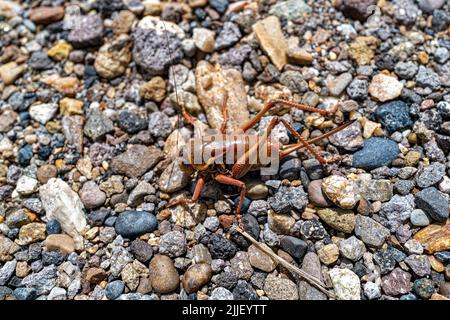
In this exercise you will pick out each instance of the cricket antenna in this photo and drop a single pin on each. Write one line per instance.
(178, 125)
(173, 76)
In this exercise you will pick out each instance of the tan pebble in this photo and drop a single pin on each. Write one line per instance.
(296, 54)
(31, 138)
(91, 233)
(437, 296)
(260, 260)
(339, 219)
(113, 57)
(60, 51)
(155, 89)
(436, 264)
(60, 242)
(328, 254)
(204, 39)
(412, 138)
(46, 15)
(196, 277)
(22, 269)
(272, 41)
(422, 57)
(9, 72)
(197, 3)
(226, 220)
(412, 158)
(341, 191)
(123, 22)
(362, 49)
(45, 173)
(92, 250)
(211, 84)
(67, 85)
(30, 233)
(202, 296)
(369, 128)
(68, 106)
(163, 275)
(95, 275)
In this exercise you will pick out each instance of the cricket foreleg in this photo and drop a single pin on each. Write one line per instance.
(195, 196)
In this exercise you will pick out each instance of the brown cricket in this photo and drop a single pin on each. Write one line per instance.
(230, 174)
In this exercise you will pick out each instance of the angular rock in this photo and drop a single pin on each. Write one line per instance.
(42, 281)
(211, 83)
(43, 112)
(7, 249)
(397, 282)
(370, 232)
(328, 254)
(278, 288)
(87, 31)
(173, 178)
(339, 219)
(434, 238)
(311, 265)
(356, 9)
(173, 244)
(398, 209)
(346, 284)
(294, 246)
(6, 271)
(352, 248)
(156, 47)
(430, 175)
(113, 58)
(419, 264)
(433, 202)
(260, 260)
(137, 160)
(370, 157)
(271, 39)
(341, 191)
(97, 125)
(60, 202)
(394, 116)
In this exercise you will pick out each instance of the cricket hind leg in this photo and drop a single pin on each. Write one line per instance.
(304, 142)
(276, 120)
(237, 183)
(288, 149)
(272, 103)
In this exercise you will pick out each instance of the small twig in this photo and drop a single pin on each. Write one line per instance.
(264, 248)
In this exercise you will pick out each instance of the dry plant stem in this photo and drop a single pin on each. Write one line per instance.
(311, 279)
